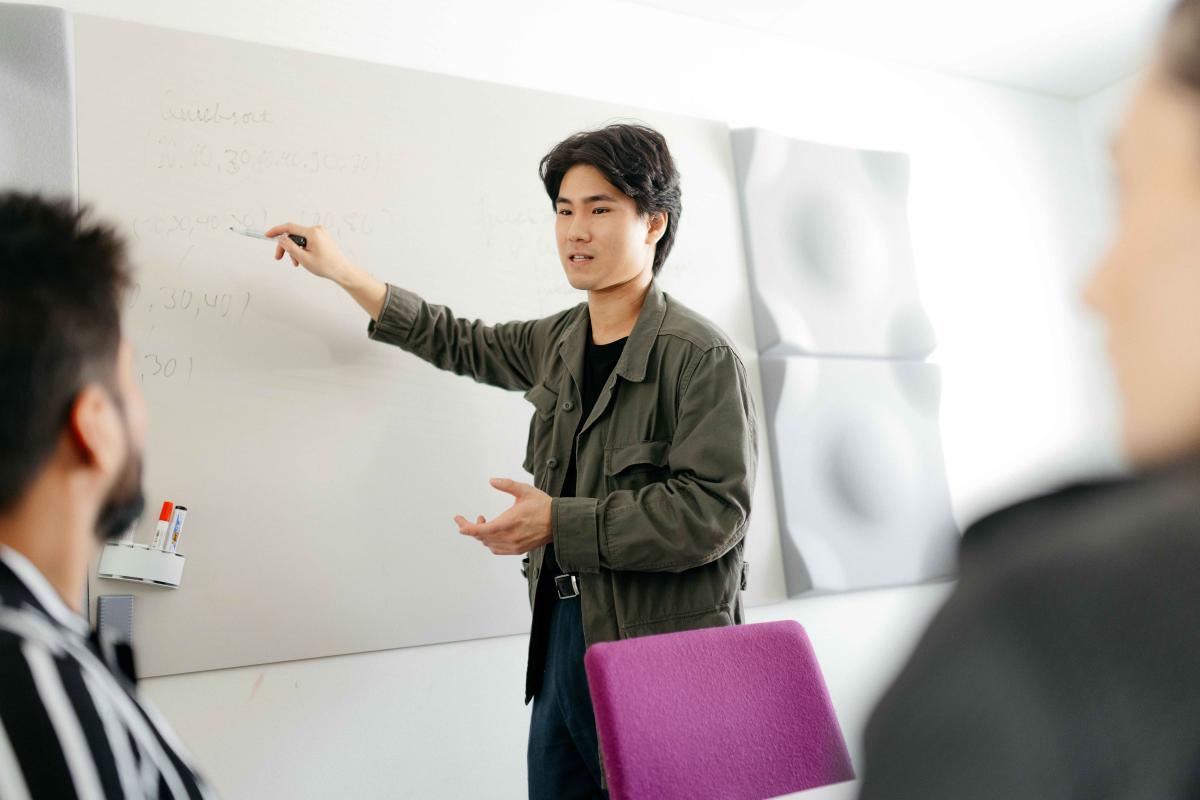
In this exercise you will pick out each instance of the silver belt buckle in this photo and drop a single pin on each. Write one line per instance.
(567, 586)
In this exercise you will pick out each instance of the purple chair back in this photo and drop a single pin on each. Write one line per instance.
(737, 712)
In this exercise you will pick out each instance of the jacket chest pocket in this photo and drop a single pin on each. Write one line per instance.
(541, 432)
(635, 466)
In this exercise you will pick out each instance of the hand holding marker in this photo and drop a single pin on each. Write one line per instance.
(320, 255)
(312, 248)
(299, 240)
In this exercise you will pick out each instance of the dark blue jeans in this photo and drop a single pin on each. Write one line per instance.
(564, 756)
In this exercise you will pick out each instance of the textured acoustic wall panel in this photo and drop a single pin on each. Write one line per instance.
(37, 101)
(828, 248)
(859, 472)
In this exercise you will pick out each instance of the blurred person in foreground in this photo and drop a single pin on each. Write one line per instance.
(1066, 664)
(72, 430)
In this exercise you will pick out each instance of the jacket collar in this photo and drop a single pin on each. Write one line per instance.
(636, 354)
(21, 583)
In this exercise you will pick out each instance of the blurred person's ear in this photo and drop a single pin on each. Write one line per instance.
(96, 431)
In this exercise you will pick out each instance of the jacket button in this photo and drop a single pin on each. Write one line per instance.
(567, 406)
(551, 463)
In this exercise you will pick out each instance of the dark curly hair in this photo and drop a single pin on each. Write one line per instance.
(62, 281)
(633, 158)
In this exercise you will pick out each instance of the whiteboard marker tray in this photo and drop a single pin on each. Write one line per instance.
(141, 564)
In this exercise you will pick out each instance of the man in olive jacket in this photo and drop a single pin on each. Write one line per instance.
(642, 443)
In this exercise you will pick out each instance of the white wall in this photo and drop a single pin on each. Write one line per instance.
(1000, 218)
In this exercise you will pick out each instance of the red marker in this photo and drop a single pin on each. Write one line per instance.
(164, 522)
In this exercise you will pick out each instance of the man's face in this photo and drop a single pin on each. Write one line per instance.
(602, 239)
(125, 500)
(1147, 287)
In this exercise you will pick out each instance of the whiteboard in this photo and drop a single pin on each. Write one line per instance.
(322, 470)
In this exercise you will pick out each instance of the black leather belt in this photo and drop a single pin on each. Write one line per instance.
(567, 586)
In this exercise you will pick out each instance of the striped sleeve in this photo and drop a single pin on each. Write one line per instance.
(53, 741)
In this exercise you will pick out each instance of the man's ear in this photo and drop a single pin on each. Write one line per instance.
(94, 428)
(657, 227)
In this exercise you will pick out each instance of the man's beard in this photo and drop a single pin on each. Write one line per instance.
(125, 502)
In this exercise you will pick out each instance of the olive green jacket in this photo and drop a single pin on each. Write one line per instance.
(665, 462)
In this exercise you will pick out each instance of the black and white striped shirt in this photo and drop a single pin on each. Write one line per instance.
(71, 724)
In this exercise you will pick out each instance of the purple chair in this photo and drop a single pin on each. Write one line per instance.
(736, 712)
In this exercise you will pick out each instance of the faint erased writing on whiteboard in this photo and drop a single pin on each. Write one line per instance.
(173, 109)
(167, 152)
(360, 223)
(518, 232)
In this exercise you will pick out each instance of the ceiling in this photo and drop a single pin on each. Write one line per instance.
(1068, 48)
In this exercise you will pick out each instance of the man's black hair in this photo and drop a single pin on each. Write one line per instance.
(633, 158)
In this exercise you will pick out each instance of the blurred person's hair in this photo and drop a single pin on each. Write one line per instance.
(1181, 45)
(62, 280)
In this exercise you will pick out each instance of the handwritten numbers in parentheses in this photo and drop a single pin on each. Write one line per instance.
(195, 227)
(155, 365)
(201, 156)
(219, 303)
(195, 305)
(235, 160)
(176, 298)
(169, 155)
(166, 153)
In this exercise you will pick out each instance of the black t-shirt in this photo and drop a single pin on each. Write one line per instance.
(598, 363)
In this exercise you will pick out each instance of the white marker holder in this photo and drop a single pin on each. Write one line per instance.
(140, 563)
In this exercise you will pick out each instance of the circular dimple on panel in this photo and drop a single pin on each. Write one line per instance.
(909, 333)
(920, 385)
(842, 244)
(888, 171)
(875, 468)
(767, 156)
